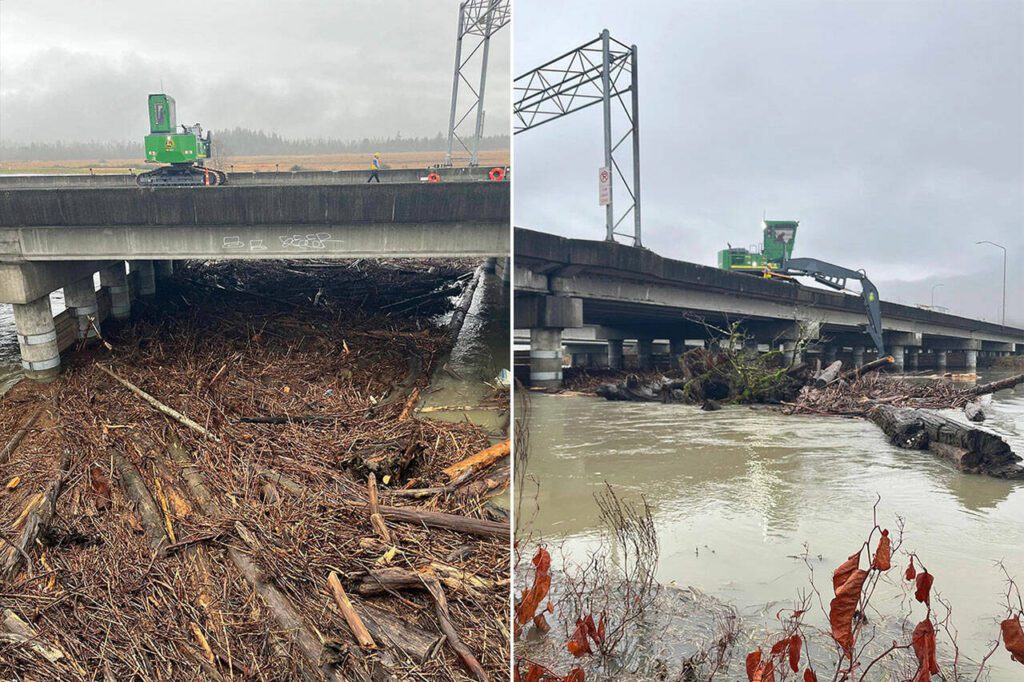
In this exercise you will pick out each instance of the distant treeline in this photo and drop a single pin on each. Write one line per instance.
(239, 142)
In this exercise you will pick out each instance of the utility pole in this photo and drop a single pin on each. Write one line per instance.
(1002, 317)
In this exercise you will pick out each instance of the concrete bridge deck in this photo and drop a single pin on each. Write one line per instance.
(629, 293)
(59, 238)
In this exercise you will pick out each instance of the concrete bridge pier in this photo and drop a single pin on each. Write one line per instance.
(897, 353)
(146, 278)
(645, 354)
(37, 338)
(80, 299)
(115, 279)
(940, 360)
(546, 357)
(163, 268)
(676, 347)
(858, 356)
(971, 360)
(792, 352)
(828, 355)
(911, 358)
(615, 360)
(546, 317)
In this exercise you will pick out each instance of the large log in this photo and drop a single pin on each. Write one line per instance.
(19, 435)
(43, 509)
(280, 606)
(136, 490)
(828, 375)
(967, 447)
(461, 524)
(858, 372)
(994, 386)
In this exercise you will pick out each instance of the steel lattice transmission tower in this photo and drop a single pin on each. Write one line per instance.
(478, 19)
(602, 71)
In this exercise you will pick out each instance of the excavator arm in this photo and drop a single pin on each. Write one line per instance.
(835, 276)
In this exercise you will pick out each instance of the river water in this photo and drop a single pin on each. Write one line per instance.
(736, 494)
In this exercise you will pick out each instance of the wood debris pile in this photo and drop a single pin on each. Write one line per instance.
(305, 525)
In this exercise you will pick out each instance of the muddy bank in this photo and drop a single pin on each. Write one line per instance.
(242, 548)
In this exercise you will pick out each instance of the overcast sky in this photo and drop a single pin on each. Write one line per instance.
(894, 131)
(343, 69)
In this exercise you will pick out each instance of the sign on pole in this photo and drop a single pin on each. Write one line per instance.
(604, 186)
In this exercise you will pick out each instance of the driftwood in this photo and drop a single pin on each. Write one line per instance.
(385, 580)
(136, 490)
(480, 460)
(461, 524)
(376, 520)
(994, 386)
(387, 628)
(858, 372)
(292, 418)
(968, 448)
(284, 612)
(974, 412)
(828, 375)
(169, 411)
(39, 514)
(355, 623)
(19, 435)
(444, 620)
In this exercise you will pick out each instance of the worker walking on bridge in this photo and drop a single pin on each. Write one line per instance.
(375, 168)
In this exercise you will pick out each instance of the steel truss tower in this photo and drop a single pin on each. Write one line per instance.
(478, 19)
(599, 72)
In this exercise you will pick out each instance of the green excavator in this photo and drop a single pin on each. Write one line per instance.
(185, 151)
(774, 260)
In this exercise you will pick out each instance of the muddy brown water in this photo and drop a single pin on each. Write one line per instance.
(737, 493)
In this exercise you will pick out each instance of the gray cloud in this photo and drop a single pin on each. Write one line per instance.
(354, 69)
(893, 131)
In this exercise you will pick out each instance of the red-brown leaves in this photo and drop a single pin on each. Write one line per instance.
(809, 676)
(578, 644)
(911, 573)
(100, 485)
(924, 587)
(883, 555)
(842, 608)
(596, 632)
(528, 605)
(758, 670)
(1013, 638)
(538, 673)
(923, 640)
(789, 647)
(845, 570)
(795, 643)
(753, 664)
(575, 675)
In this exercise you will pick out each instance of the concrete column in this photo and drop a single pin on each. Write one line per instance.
(80, 299)
(940, 360)
(750, 350)
(789, 348)
(164, 268)
(971, 360)
(37, 337)
(896, 352)
(115, 279)
(828, 355)
(911, 359)
(676, 347)
(546, 357)
(615, 354)
(147, 278)
(645, 354)
(858, 356)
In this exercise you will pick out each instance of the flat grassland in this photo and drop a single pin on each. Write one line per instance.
(490, 157)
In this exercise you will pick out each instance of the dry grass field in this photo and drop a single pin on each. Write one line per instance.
(499, 157)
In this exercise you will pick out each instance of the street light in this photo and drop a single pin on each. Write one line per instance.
(933, 294)
(1002, 319)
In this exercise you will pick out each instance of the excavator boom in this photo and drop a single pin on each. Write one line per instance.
(835, 276)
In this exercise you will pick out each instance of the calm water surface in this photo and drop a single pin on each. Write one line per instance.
(738, 492)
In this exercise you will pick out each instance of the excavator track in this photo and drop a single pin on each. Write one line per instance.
(182, 176)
